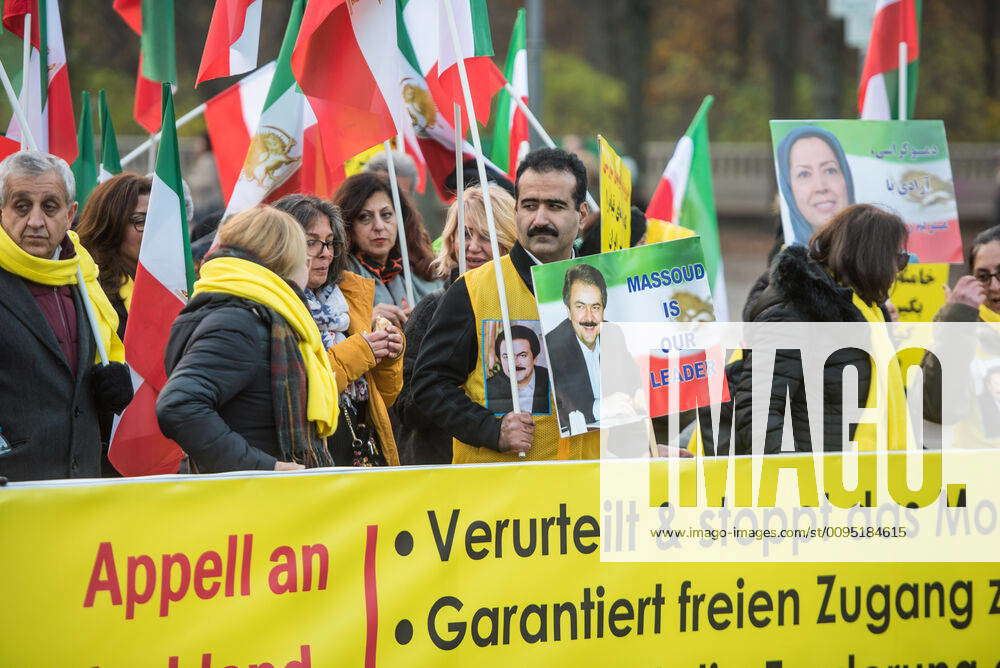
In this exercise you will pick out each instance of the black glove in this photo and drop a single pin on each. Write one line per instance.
(112, 387)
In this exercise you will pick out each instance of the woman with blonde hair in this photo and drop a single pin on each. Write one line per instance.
(477, 233)
(250, 384)
(419, 440)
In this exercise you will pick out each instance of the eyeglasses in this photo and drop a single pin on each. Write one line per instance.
(314, 247)
(986, 277)
(138, 221)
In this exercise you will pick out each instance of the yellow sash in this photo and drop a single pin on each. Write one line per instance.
(249, 280)
(897, 414)
(63, 272)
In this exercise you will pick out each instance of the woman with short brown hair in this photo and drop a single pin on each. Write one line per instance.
(111, 227)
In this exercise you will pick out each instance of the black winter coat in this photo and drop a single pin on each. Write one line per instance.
(217, 401)
(419, 439)
(48, 414)
(800, 290)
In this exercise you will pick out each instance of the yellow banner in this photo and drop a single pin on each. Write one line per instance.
(616, 199)
(466, 566)
(918, 293)
(356, 164)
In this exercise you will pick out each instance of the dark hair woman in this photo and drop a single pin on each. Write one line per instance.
(814, 178)
(250, 385)
(110, 228)
(975, 298)
(844, 275)
(365, 200)
(368, 364)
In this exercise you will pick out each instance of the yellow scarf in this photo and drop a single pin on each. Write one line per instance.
(125, 292)
(242, 278)
(897, 415)
(988, 315)
(63, 272)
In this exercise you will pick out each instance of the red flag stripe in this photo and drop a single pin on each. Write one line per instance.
(228, 23)
(895, 23)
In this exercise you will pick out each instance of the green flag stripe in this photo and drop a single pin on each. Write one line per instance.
(283, 76)
(500, 153)
(110, 157)
(43, 52)
(481, 27)
(85, 166)
(403, 37)
(698, 209)
(159, 62)
(168, 170)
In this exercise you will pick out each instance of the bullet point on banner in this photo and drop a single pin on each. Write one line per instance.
(404, 543)
(404, 632)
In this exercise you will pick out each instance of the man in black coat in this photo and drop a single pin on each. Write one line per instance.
(51, 392)
(532, 380)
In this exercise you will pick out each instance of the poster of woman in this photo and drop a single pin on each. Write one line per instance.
(823, 166)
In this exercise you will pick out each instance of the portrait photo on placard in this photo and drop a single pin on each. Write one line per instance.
(530, 368)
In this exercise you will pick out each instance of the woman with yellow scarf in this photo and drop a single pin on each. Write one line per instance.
(250, 385)
(843, 275)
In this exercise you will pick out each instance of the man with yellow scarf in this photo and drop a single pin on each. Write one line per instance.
(52, 383)
(449, 375)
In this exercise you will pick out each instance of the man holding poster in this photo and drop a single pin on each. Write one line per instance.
(451, 371)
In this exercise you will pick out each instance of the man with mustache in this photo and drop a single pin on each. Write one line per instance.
(52, 386)
(532, 380)
(550, 190)
(574, 346)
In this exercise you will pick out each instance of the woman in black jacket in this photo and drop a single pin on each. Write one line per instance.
(250, 385)
(856, 256)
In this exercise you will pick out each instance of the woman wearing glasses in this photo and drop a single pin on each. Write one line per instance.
(368, 364)
(843, 275)
(366, 202)
(975, 298)
(110, 228)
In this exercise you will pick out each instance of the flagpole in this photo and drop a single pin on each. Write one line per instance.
(15, 104)
(460, 188)
(541, 133)
(154, 139)
(26, 69)
(487, 202)
(903, 98)
(400, 223)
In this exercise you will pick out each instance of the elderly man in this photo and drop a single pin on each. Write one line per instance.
(550, 191)
(52, 386)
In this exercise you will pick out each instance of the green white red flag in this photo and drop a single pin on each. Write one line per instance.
(895, 21)
(110, 159)
(510, 136)
(153, 21)
(49, 106)
(284, 154)
(427, 24)
(85, 165)
(345, 61)
(163, 280)
(232, 41)
(231, 119)
(686, 197)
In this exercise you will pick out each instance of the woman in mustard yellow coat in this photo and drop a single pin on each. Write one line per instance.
(366, 356)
